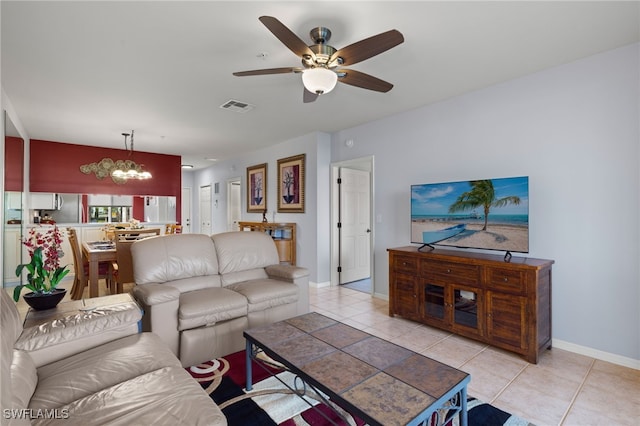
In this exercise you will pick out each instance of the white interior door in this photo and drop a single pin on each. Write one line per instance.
(185, 215)
(234, 204)
(355, 225)
(205, 210)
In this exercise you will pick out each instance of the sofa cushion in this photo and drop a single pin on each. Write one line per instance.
(101, 367)
(209, 306)
(174, 257)
(241, 276)
(242, 251)
(168, 396)
(24, 378)
(266, 293)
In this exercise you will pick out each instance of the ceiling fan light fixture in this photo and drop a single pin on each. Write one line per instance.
(319, 80)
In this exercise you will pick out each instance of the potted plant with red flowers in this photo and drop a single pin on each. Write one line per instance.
(44, 271)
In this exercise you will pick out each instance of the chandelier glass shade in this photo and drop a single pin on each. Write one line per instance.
(128, 169)
(319, 80)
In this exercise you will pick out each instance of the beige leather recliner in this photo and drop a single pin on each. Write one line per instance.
(95, 368)
(199, 293)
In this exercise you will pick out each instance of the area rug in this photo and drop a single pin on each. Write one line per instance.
(270, 402)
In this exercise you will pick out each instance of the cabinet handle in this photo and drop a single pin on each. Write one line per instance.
(448, 271)
(506, 280)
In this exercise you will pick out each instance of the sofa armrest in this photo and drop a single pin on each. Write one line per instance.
(160, 303)
(297, 275)
(74, 333)
(155, 294)
(286, 272)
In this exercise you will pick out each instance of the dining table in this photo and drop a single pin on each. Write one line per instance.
(95, 252)
(105, 251)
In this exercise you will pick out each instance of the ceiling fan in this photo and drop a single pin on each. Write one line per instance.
(321, 63)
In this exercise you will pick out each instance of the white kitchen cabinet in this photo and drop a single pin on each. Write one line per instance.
(42, 201)
(11, 255)
(13, 200)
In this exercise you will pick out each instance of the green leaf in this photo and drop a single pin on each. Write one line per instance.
(16, 292)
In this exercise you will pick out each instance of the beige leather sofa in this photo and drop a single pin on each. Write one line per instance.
(199, 293)
(95, 368)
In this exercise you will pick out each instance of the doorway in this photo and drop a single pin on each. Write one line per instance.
(185, 215)
(205, 210)
(234, 204)
(352, 224)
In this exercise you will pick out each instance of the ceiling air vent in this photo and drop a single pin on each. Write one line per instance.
(237, 106)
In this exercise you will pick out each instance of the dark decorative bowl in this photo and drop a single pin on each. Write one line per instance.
(40, 302)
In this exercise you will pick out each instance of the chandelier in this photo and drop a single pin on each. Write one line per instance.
(128, 169)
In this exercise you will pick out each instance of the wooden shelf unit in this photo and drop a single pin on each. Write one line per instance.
(283, 234)
(480, 296)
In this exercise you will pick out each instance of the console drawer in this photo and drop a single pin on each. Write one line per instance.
(405, 264)
(450, 273)
(512, 281)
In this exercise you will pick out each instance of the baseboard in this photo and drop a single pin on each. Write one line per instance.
(381, 296)
(320, 285)
(597, 354)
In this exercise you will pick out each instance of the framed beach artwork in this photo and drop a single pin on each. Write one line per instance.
(291, 184)
(256, 188)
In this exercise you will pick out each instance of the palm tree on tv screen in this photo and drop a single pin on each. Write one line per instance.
(482, 194)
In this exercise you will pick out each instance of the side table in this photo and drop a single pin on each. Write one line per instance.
(72, 307)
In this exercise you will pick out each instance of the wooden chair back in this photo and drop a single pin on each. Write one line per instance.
(171, 228)
(124, 239)
(124, 262)
(80, 279)
(135, 234)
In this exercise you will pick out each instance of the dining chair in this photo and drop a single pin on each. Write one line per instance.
(136, 234)
(123, 266)
(172, 228)
(81, 268)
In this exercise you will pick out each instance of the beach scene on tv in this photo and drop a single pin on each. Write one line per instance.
(488, 214)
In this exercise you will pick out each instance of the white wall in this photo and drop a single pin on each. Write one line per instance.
(312, 235)
(574, 131)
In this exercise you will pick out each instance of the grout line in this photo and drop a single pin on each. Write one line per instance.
(504, 388)
(575, 395)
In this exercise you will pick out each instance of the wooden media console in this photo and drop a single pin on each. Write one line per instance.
(477, 295)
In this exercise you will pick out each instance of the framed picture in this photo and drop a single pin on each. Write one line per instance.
(291, 184)
(257, 188)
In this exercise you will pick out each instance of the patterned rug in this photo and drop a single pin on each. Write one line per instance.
(271, 403)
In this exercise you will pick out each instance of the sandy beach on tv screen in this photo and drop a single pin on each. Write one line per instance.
(498, 237)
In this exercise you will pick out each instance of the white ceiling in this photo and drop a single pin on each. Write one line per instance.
(85, 72)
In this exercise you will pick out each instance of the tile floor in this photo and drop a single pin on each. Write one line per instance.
(564, 388)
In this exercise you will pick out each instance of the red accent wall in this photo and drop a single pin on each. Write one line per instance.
(138, 208)
(55, 167)
(14, 164)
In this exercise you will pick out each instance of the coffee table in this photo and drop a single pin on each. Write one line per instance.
(376, 380)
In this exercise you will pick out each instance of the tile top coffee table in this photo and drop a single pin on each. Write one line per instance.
(382, 383)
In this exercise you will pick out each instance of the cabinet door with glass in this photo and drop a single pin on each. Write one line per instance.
(451, 296)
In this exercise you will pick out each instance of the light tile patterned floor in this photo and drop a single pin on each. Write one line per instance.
(564, 388)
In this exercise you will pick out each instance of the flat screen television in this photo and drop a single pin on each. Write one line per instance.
(490, 214)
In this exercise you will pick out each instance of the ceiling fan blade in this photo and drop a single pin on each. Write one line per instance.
(267, 71)
(365, 81)
(307, 96)
(286, 36)
(367, 48)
